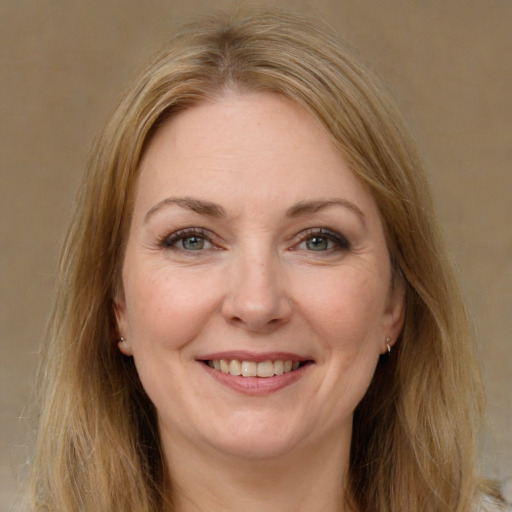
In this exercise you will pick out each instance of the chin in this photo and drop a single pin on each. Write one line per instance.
(267, 436)
(255, 436)
(256, 447)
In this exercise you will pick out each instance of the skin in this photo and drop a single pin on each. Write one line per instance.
(256, 284)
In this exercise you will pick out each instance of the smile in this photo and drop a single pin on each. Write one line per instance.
(263, 369)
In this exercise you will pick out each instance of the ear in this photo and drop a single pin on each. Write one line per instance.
(394, 314)
(122, 325)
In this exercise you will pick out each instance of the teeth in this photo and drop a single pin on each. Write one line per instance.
(266, 369)
(249, 369)
(253, 369)
(235, 367)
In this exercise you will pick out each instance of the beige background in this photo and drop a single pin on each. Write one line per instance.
(63, 64)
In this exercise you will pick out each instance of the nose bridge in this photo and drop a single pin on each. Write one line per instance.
(257, 295)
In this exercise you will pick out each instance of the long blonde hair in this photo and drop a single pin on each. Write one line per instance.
(414, 432)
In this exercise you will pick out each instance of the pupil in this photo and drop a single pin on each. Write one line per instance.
(317, 244)
(192, 243)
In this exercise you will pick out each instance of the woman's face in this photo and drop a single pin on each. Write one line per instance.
(254, 249)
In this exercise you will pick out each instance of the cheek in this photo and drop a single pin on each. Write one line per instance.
(168, 307)
(347, 306)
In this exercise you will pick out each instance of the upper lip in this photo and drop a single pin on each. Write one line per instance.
(257, 357)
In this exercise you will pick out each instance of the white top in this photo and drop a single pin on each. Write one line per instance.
(489, 505)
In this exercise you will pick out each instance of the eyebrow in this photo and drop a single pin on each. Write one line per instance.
(214, 210)
(197, 205)
(308, 207)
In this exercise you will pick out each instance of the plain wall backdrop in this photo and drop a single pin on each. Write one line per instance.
(64, 64)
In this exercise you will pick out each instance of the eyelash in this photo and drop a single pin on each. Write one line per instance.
(341, 243)
(169, 241)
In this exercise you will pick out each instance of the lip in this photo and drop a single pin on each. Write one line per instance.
(242, 355)
(255, 386)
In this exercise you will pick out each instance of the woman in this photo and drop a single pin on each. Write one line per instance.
(255, 306)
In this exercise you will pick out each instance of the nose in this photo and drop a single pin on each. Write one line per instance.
(257, 298)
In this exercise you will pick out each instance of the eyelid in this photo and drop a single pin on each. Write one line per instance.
(338, 238)
(169, 240)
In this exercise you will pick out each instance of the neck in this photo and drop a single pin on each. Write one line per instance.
(312, 478)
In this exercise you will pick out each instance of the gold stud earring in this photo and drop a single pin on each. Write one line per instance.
(388, 341)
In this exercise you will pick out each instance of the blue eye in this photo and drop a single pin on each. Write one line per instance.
(318, 243)
(322, 240)
(193, 243)
(187, 240)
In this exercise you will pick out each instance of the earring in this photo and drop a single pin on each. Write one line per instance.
(124, 346)
(388, 341)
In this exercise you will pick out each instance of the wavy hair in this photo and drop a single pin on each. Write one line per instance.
(413, 445)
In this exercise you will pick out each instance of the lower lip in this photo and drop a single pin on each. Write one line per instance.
(256, 385)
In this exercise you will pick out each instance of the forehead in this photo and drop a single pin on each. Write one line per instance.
(254, 149)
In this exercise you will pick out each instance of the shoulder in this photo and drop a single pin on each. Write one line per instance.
(487, 504)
